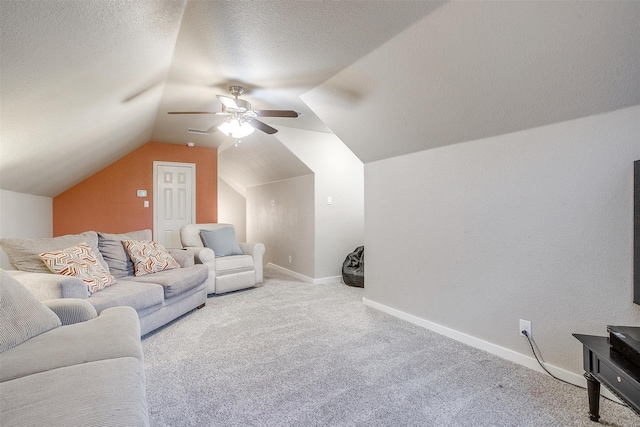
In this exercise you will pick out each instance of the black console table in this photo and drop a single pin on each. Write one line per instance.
(604, 365)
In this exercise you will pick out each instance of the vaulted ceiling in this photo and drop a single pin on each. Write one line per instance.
(84, 83)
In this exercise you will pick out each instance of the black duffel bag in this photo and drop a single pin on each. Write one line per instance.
(353, 268)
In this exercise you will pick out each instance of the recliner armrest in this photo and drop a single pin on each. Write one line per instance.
(205, 256)
(256, 250)
(72, 310)
(202, 255)
(253, 249)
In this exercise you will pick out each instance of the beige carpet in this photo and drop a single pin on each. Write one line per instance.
(294, 354)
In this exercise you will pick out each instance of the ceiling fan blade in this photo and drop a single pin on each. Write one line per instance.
(208, 131)
(198, 131)
(228, 102)
(276, 113)
(216, 124)
(263, 127)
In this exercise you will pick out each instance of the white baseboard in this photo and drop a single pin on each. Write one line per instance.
(320, 281)
(327, 280)
(499, 351)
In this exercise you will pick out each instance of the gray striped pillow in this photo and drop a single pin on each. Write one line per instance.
(22, 316)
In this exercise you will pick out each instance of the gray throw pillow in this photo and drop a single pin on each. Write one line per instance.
(22, 316)
(24, 254)
(112, 249)
(222, 241)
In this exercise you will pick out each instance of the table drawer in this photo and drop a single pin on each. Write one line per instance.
(618, 382)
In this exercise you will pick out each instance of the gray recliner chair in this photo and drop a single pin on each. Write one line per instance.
(226, 273)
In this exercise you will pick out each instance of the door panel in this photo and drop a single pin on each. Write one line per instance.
(175, 190)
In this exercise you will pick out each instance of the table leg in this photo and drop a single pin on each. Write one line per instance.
(593, 391)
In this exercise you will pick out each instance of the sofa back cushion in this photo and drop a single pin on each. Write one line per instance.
(114, 253)
(22, 316)
(24, 254)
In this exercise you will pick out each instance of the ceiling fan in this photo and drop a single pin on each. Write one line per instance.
(239, 119)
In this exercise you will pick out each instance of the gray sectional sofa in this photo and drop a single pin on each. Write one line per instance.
(71, 357)
(62, 364)
(158, 298)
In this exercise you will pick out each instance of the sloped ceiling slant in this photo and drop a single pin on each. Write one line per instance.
(80, 84)
(471, 70)
(84, 83)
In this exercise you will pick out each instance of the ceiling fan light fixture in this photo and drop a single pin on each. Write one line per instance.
(242, 120)
(236, 129)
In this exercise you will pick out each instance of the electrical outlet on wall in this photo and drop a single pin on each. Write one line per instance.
(525, 325)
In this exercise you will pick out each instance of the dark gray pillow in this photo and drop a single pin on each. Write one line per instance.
(24, 254)
(222, 241)
(22, 316)
(114, 254)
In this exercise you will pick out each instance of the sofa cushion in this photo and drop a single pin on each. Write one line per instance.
(24, 254)
(115, 333)
(103, 393)
(149, 257)
(140, 296)
(114, 254)
(222, 241)
(79, 261)
(176, 282)
(22, 316)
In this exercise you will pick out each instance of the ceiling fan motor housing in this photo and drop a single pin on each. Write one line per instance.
(236, 90)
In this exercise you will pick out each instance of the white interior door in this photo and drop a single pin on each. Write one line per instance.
(174, 201)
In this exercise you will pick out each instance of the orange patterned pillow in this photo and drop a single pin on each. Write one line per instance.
(149, 257)
(79, 261)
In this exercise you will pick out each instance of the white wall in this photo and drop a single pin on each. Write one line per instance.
(533, 225)
(339, 174)
(24, 215)
(232, 209)
(281, 215)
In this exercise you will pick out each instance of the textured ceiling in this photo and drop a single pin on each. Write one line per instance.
(84, 83)
(68, 72)
(277, 50)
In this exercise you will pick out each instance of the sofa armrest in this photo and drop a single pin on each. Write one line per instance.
(184, 258)
(256, 250)
(51, 286)
(72, 310)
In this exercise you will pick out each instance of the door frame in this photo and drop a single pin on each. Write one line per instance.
(156, 165)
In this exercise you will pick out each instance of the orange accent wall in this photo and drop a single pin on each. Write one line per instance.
(107, 201)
